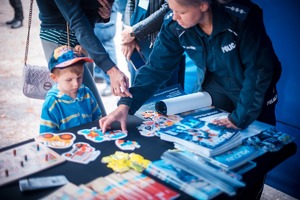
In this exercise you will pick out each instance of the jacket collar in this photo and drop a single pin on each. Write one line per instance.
(221, 21)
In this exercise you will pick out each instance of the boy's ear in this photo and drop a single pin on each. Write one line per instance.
(53, 77)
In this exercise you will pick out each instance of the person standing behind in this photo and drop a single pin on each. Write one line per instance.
(106, 33)
(68, 103)
(17, 21)
(142, 22)
(81, 16)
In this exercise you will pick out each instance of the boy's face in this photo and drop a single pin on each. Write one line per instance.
(69, 79)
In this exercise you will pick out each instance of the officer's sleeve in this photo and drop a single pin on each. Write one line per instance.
(257, 56)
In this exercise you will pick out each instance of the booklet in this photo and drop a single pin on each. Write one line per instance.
(225, 180)
(186, 182)
(201, 137)
(232, 158)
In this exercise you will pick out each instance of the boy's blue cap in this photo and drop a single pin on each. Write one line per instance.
(65, 56)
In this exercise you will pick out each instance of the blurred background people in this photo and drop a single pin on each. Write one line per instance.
(17, 21)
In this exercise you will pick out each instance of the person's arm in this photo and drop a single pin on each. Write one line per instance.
(166, 55)
(142, 29)
(80, 24)
(259, 61)
(151, 24)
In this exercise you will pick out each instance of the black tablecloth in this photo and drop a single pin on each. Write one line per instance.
(151, 148)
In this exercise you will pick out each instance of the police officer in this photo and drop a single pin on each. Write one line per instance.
(229, 43)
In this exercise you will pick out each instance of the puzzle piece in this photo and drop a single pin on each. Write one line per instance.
(96, 135)
(81, 153)
(56, 140)
(127, 144)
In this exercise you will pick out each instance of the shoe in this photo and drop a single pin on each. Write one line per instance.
(106, 91)
(17, 24)
(11, 21)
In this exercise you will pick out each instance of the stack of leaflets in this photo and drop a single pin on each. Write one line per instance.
(131, 185)
(186, 182)
(72, 191)
(211, 113)
(225, 180)
(201, 137)
(270, 140)
(232, 158)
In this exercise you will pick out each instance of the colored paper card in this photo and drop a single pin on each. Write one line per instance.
(96, 135)
(127, 144)
(81, 153)
(56, 140)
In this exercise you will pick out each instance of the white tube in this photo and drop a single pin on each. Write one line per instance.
(183, 103)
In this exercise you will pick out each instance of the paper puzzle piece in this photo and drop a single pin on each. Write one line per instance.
(122, 162)
(165, 121)
(96, 135)
(148, 128)
(56, 140)
(127, 144)
(151, 127)
(149, 114)
(81, 153)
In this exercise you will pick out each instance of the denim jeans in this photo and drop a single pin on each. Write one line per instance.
(106, 33)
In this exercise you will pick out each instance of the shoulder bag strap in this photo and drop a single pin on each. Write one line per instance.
(28, 33)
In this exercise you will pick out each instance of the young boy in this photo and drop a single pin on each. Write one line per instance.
(68, 103)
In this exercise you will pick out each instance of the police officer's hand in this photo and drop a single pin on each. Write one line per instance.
(225, 122)
(120, 114)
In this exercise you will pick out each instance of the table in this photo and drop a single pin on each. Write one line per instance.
(151, 148)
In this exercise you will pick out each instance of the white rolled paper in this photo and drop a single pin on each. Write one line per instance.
(183, 103)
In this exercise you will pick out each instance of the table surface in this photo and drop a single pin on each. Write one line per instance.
(151, 148)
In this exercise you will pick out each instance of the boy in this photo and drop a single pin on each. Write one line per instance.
(68, 103)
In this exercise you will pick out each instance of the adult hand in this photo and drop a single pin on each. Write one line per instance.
(119, 82)
(128, 48)
(105, 9)
(120, 114)
(80, 49)
(225, 122)
(125, 35)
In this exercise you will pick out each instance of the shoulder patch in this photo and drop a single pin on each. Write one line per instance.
(238, 10)
(169, 16)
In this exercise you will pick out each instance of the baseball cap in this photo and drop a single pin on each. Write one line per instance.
(65, 56)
